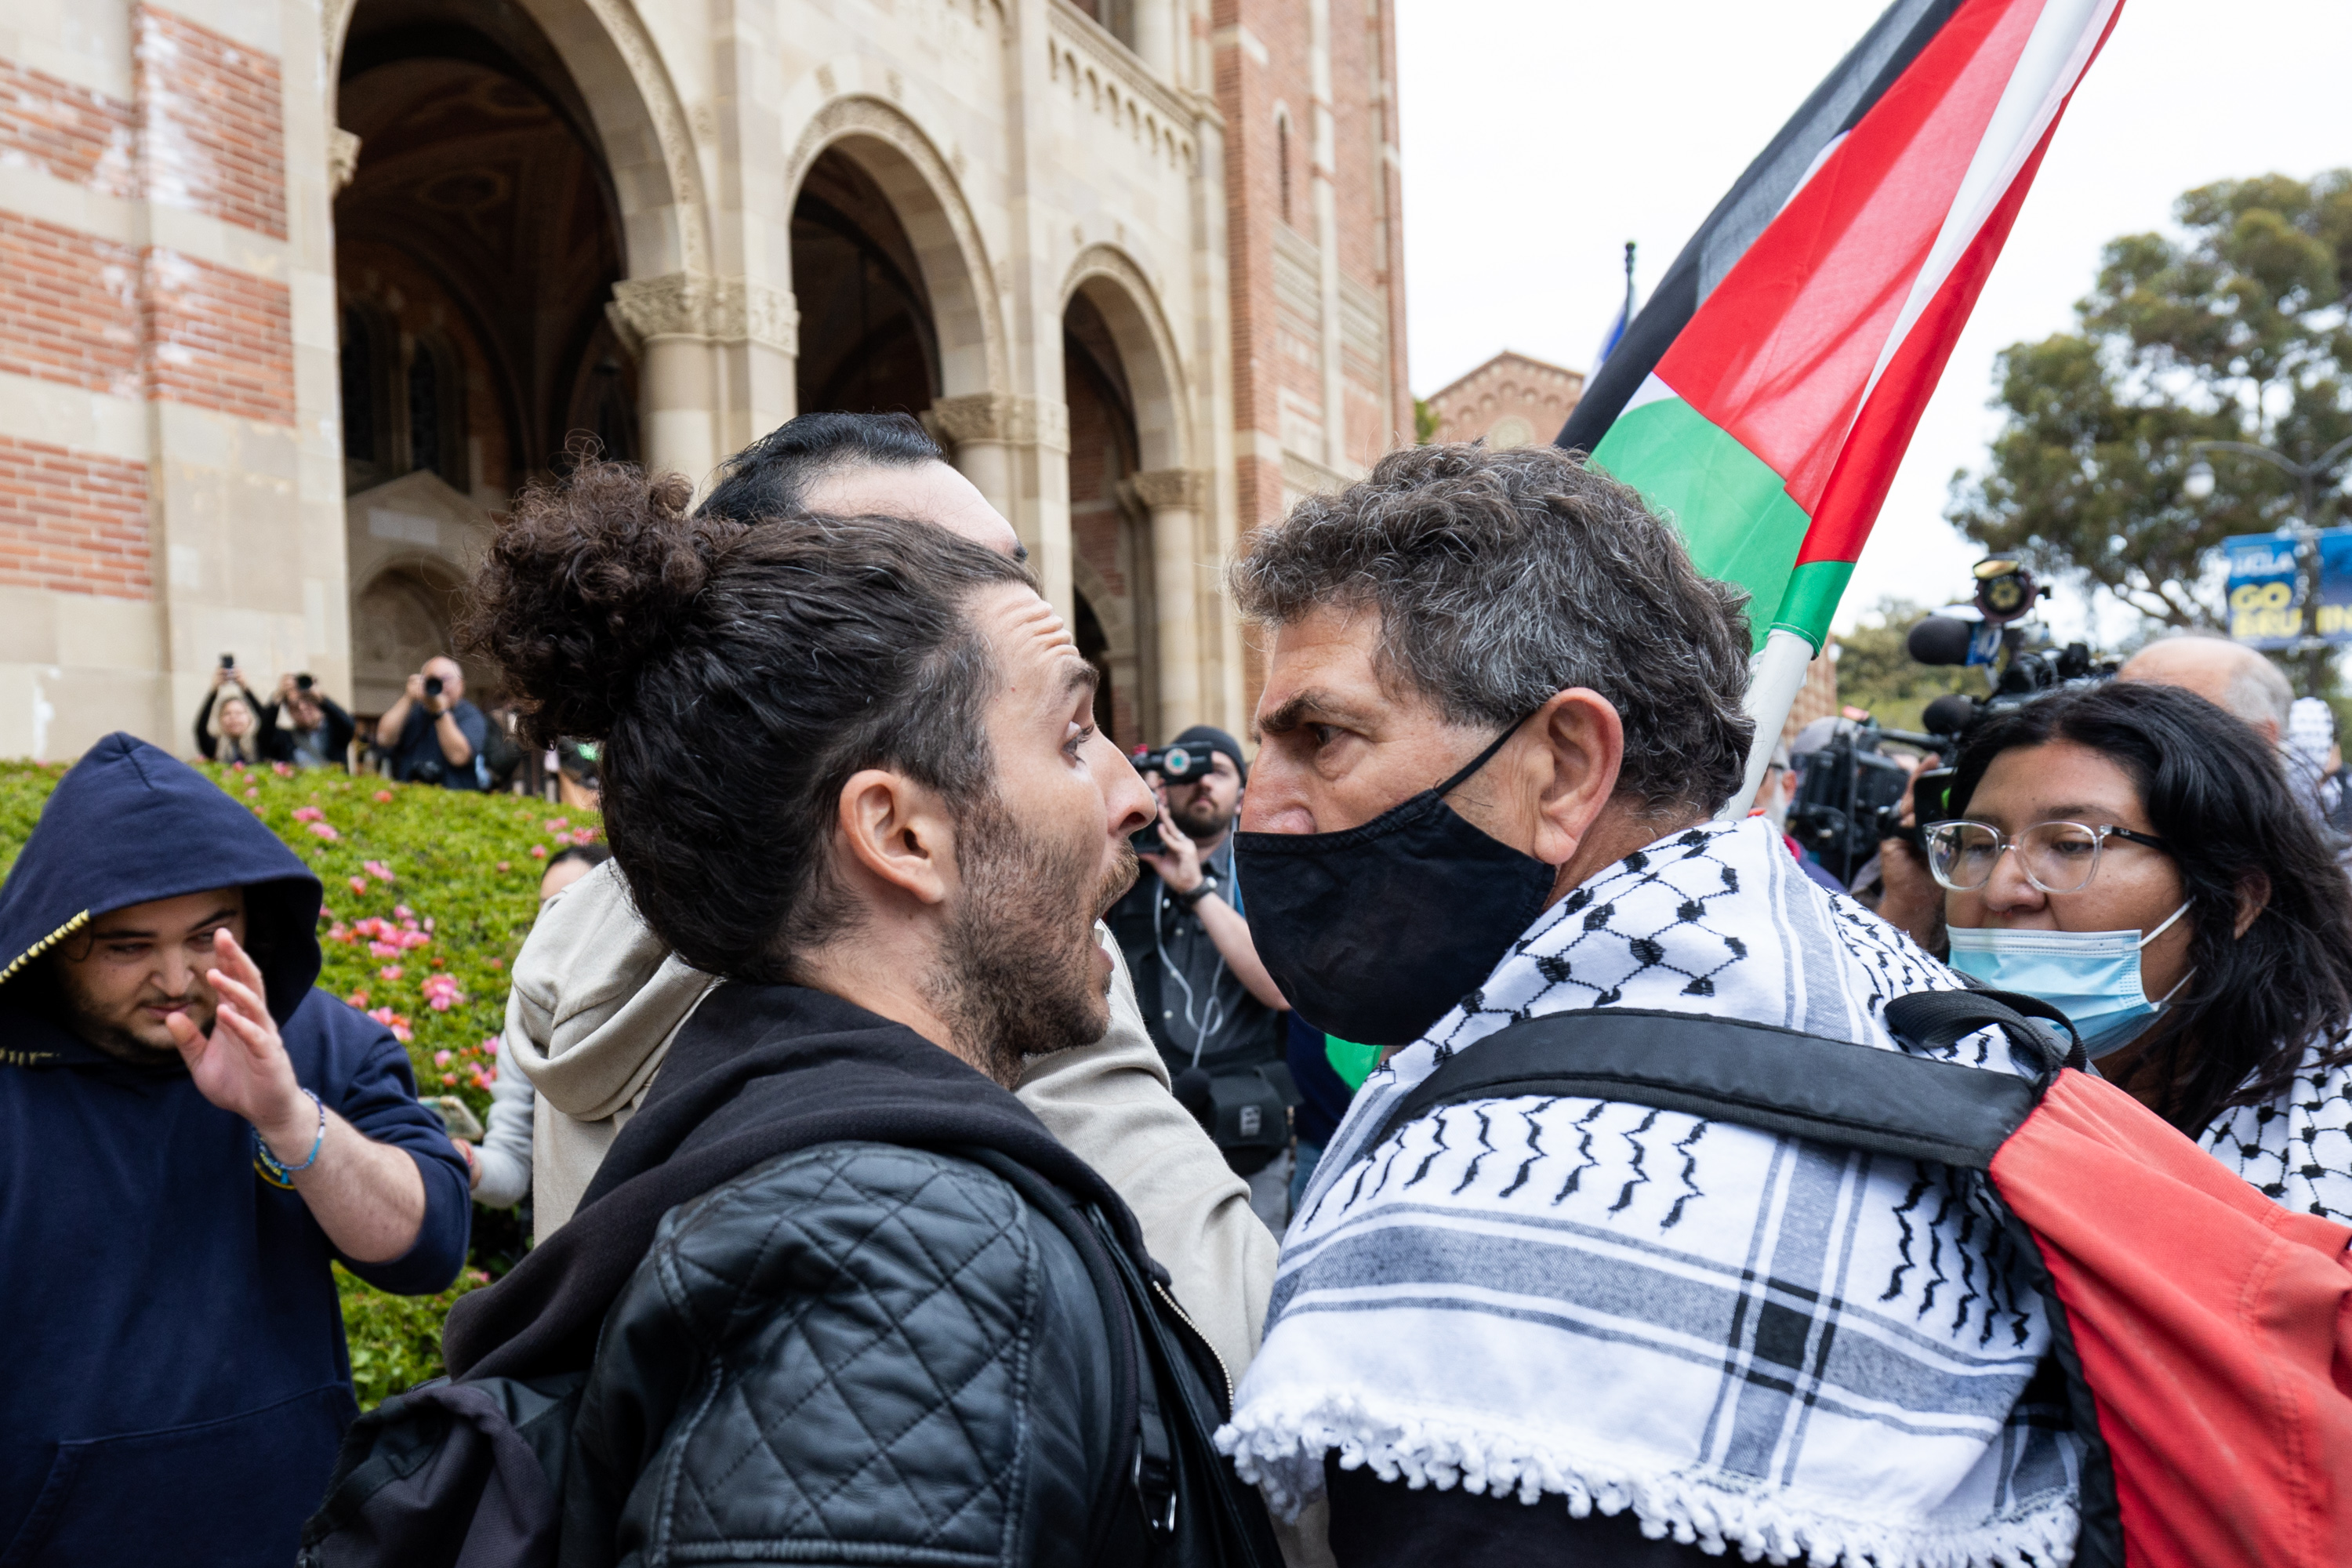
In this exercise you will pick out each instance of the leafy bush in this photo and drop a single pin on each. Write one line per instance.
(430, 894)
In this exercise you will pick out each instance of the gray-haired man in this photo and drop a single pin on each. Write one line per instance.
(1501, 712)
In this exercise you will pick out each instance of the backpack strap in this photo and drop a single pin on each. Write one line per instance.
(1756, 1075)
(1936, 1020)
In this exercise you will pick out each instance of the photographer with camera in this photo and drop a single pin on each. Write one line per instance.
(311, 728)
(433, 734)
(1217, 1016)
(2134, 855)
(229, 726)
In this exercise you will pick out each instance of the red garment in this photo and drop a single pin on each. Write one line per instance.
(2214, 1328)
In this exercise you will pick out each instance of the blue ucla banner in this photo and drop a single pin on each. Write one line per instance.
(2266, 588)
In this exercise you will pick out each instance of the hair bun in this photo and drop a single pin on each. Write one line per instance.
(582, 586)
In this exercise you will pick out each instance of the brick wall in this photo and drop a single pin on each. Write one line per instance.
(203, 131)
(68, 307)
(72, 522)
(215, 140)
(219, 339)
(82, 137)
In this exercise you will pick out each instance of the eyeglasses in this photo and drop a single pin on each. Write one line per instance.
(2056, 856)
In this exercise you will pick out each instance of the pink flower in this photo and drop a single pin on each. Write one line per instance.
(400, 1032)
(325, 831)
(558, 823)
(389, 972)
(539, 851)
(440, 1059)
(498, 963)
(308, 814)
(281, 770)
(378, 869)
(402, 912)
(429, 922)
(358, 999)
(384, 950)
(359, 884)
(253, 791)
(490, 1043)
(449, 1080)
(440, 1004)
(384, 798)
(415, 939)
(506, 864)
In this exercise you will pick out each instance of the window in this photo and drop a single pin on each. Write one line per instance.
(359, 389)
(424, 411)
(1282, 157)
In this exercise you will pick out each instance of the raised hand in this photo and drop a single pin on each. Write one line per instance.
(242, 1065)
(1178, 864)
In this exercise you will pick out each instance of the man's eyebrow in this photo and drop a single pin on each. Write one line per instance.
(1289, 716)
(1079, 674)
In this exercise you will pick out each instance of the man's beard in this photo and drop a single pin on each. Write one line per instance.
(1201, 820)
(1016, 978)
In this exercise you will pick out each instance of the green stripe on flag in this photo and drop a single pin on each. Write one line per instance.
(1812, 598)
(1733, 511)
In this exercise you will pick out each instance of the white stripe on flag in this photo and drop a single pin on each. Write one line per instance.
(2054, 57)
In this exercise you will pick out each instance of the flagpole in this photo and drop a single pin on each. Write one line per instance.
(1774, 679)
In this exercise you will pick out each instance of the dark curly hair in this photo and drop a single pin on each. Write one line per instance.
(1503, 578)
(2215, 792)
(737, 675)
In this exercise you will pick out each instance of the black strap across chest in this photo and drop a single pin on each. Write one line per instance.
(1774, 1079)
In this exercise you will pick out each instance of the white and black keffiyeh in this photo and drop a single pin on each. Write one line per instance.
(1752, 1341)
(2297, 1149)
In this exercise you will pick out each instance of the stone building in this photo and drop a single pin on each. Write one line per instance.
(1510, 401)
(295, 293)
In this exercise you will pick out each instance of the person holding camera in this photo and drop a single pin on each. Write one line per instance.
(312, 730)
(229, 728)
(434, 735)
(1209, 1005)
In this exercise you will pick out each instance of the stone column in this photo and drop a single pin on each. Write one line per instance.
(1174, 498)
(1017, 453)
(715, 358)
(974, 429)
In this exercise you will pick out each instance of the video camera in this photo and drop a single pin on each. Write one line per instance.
(2005, 594)
(1851, 797)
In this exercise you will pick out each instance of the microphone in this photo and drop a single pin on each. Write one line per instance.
(1950, 714)
(1940, 639)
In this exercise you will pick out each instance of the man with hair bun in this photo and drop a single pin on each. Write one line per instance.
(849, 770)
(1501, 713)
(598, 997)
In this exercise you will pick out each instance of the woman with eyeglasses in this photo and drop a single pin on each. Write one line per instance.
(2131, 854)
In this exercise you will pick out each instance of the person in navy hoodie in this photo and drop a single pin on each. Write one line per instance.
(189, 1134)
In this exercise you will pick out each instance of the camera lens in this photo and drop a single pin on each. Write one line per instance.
(432, 686)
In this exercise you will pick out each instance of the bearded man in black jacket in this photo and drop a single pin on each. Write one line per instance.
(827, 1308)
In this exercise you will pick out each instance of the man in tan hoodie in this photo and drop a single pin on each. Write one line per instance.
(597, 998)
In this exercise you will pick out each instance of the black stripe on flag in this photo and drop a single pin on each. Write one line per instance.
(1836, 106)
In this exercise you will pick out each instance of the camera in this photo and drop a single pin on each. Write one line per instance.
(303, 683)
(1851, 797)
(432, 686)
(1176, 764)
(228, 661)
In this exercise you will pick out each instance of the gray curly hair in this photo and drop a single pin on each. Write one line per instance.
(1505, 578)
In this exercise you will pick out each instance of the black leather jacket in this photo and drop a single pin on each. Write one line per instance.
(856, 1353)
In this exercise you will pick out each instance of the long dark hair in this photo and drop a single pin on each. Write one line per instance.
(2216, 794)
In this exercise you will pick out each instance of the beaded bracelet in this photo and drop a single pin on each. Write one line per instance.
(276, 1172)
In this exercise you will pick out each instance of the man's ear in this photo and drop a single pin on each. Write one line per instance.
(897, 834)
(1580, 749)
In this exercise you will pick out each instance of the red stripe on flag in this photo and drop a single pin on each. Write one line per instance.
(1882, 432)
(1782, 350)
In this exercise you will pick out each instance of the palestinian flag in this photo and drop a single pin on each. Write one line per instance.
(1764, 395)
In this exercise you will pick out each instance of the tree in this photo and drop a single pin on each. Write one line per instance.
(2238, 332)
(1876, 671)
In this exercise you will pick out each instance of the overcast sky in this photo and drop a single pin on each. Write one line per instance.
(1539, 135)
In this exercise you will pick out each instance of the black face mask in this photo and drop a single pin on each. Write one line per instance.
(1375, 933)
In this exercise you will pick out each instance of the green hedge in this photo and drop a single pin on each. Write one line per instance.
(430, 893)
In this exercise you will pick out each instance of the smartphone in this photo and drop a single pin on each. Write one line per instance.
(228, 661)
(1146, 840)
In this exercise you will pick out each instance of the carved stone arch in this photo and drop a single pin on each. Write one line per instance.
(640, 118)
(923, 192)
(1117, 288)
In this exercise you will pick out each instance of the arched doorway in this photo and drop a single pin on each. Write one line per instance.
(1108, 531)
(401, 618)
(476, 246)
(868, 343)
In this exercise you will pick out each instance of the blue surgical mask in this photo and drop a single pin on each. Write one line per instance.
(2092, 976)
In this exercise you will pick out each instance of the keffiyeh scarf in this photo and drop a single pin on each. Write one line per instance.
(2297, 1148)
(1752, 1341)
